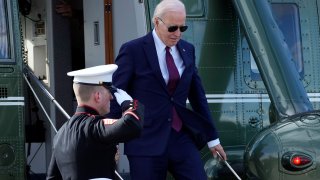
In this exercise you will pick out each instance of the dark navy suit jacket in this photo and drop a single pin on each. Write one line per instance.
(139, 74)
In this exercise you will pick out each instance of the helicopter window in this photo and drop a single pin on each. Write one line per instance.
(4, 34)
(287, 18)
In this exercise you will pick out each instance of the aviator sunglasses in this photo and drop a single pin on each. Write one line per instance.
(174, 28)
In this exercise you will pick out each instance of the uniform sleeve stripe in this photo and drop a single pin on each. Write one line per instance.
(109, 121)
(133, 114)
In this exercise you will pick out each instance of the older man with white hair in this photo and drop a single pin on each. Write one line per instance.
(160, 70)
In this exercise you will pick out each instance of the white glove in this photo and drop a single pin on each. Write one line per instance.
(121, 96)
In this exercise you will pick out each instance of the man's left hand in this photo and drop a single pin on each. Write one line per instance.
(218, 148)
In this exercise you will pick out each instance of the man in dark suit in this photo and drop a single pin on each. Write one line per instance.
(85, 146)
(159, 70)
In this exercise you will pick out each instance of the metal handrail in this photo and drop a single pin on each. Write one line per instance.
(47, 93)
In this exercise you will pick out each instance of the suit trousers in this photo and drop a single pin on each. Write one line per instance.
(181, 158)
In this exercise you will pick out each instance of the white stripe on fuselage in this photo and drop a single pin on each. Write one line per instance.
(12, 101)
(249, 98)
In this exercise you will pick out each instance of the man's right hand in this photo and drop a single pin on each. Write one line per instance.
(121, 96)
(64, 9)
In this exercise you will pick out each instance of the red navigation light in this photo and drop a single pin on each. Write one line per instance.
(300, 160)
(296, 161)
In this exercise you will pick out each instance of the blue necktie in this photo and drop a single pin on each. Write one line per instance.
(174, 78)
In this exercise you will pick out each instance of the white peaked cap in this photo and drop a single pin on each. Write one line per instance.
(94, 75)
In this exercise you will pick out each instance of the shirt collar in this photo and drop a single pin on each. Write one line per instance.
(159, 44)
(86, 109)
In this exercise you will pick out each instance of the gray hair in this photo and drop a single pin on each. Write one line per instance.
(167, 5)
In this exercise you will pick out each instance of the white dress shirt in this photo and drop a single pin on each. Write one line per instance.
(161, 52)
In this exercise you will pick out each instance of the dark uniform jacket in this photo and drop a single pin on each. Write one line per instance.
(85, 146)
